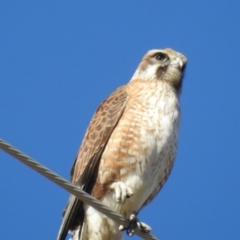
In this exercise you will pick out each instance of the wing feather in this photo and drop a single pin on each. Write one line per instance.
(97, 135)
(84, 170)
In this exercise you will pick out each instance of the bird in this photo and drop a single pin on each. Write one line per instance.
(129, 147)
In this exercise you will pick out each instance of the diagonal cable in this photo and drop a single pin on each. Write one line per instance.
(70, 188)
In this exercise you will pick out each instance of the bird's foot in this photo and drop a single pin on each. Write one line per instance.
(133, 224)
(122, 192)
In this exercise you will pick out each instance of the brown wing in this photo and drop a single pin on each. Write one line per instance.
(84, 169)
(100, 128)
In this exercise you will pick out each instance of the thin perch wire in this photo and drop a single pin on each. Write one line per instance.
(70, 187)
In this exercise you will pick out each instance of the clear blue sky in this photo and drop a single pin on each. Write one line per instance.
(60, 59)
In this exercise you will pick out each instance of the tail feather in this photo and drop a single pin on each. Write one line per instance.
(72, 218)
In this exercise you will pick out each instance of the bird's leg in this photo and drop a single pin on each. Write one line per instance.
(133, 224)
(122, 192)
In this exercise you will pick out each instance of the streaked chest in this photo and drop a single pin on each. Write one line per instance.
(142, 146)
(154, 125)
(146, 132)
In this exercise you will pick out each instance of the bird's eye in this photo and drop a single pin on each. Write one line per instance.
(161, 57)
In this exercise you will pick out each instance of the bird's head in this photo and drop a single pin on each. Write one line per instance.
(162, 65)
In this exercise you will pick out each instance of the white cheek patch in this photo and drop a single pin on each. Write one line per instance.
(148, 73)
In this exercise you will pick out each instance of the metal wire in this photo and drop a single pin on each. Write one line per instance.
(70, 187)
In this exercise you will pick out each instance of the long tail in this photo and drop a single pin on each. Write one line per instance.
(72, 218)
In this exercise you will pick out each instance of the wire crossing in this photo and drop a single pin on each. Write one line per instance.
(33, 164)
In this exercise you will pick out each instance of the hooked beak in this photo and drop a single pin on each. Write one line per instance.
(177, 62)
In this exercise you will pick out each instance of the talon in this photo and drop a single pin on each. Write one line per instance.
(130, 233)
(129, 192)
(144, 227)
(133, 224)
(122, 192)
(121, 228)
(132, 217)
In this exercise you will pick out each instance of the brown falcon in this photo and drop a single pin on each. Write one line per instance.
(129, 147)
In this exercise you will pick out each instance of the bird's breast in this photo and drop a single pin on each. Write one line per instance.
(143, 144)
